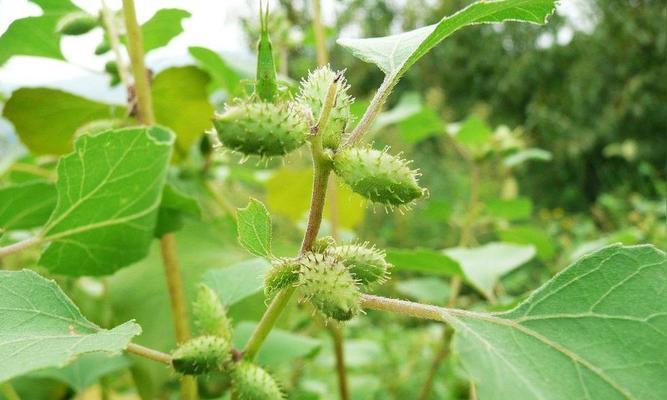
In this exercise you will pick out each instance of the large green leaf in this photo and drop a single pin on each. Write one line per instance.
(254, 228)
(40, 327)
(109, 191)
(424, 260)
(162, 27)
(598, 330)
(181, 103)
(26, 206)
(36, 36)
(46, 119)
(484, 265)
(396, 53)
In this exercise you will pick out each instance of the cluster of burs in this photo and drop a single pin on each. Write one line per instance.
(211, 352)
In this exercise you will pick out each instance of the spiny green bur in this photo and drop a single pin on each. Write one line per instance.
(251, 382)
(210, 315)
(76, 23)
(329, 286)
(284, 272)
(323, 243)
(366, 263)
(378, 176)
(202, 355)
(261, 129)
(312, 97)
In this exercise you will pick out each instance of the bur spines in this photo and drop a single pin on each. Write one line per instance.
(312, 97)
(261, 128)
(284, 272)
(202, 355)
(327, 284)
(379, 176)
(251, 382)
(210, 315)
(365, 262)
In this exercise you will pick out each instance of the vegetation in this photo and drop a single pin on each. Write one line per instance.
(443, 213)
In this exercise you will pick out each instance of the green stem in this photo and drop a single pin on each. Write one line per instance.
(320, 39)
(114, 40)
(146, 116)
(267, 322)
(339, 350)
(18, 246)
(372, 111)
(148, 353)
(322, 169)
(135, 48)
(8, 391)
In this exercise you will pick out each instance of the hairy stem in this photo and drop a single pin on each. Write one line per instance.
(112, 32)
(372, 111)
(135, 45)
(320, 35)
(339, 350)
(18, 246)
(267, 322)
(135, 48)
(320, 178)
(332, 198)
(148, 353)
(175, 286)
(417, 310)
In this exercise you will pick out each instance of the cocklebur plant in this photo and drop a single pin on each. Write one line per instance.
(100, 215)
(210, 315)
(76, 23)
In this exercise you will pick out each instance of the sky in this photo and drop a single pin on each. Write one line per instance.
(214, 24)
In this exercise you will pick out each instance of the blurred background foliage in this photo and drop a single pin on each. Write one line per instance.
(537, 145)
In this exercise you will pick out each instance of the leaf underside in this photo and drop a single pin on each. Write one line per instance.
(598, 330)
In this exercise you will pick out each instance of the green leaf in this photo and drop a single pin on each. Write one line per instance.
(174, 207)
(430, 290)
(597, 330)
(425, 261)
(26, 206)
(473, 134)
(396, 53)
(36, 36)
(288, 194)
(280, 346)
(162, 27)
(86, 371)
(484, 265)
(40, 327)
(530, 235)
(109, 191)
(254, 228)
(223, 76)
(512, 210)
(46, 119)
(236, 282)
(181, 103)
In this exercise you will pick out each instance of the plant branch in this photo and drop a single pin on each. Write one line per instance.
(339, 350)
(146, 116)
(114, 41)
(18, 246)
(372, 111)
(321, 172)
(149, 353)
(320, 36)
(135, 48)
(267, 322)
